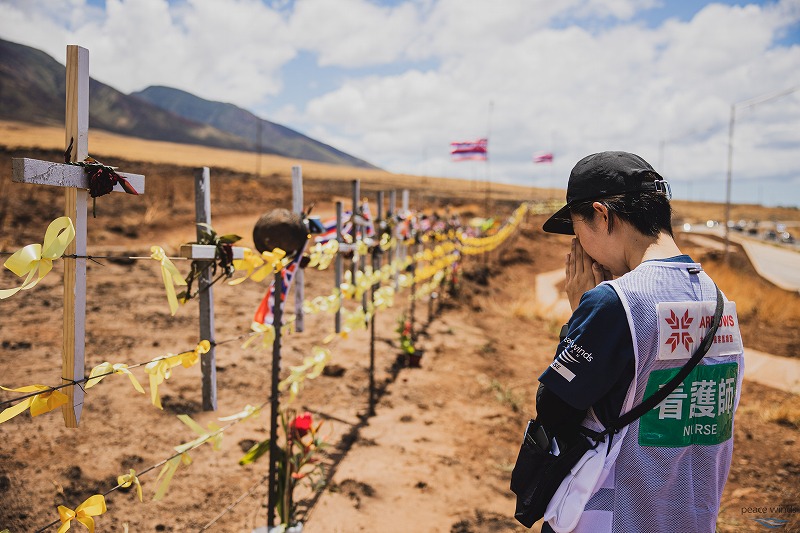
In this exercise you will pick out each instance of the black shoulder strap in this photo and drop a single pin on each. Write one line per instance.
(658, 396)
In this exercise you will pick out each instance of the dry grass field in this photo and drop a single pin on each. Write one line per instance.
(437, 455)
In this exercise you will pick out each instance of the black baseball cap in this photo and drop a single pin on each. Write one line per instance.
(601, 175)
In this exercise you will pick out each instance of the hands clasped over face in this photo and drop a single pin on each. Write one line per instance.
(583, 273)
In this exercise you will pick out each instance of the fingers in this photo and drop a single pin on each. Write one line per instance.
(597, 272)
(578, 255)
(570, 262)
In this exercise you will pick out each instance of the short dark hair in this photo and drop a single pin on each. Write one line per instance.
(649, 212)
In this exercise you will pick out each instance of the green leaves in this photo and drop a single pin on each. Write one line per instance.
(209, 236)
(256, 451)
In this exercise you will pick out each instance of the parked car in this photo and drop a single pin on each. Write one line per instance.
(787, 237)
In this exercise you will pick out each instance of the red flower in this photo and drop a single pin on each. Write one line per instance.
(301, 424)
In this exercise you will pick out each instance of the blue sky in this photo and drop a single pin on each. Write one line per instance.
(395, 81)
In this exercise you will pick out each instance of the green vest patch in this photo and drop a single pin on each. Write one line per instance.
(698, 411)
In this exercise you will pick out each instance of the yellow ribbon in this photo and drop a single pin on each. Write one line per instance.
(257, 267)
(311, 368)
(170, 275)
(387, 242)
(323, 304)
(321, 255)
(39, 404)
(212, 434)
(126, 480)
(189, 359)
(159, 371)
(105, 369)
(93, 506)
(265, 331)
(358, 319)
(248, 412)
(383, 298)
(35, 260)
(170, 467)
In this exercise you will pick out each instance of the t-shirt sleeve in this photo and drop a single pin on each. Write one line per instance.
(595, 352)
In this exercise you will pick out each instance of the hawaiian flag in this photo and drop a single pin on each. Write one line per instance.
(544, 157)
(330, 228)
(464, 151)
(264, 313)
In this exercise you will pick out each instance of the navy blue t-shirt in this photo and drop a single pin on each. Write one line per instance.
(595, 364)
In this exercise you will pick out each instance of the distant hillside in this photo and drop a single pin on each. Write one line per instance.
(240, 122)
(32, 89)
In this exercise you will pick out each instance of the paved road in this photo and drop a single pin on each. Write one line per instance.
(778, 264)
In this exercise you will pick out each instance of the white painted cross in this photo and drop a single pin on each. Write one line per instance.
(76, 184)
(206, 253)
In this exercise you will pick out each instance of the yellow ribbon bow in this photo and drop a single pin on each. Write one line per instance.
(105, 369)
(189, 359)
(170, 275)
(126, 480)
(159, 371)
(39, 404)
(259, 266)
(35, 260)
(93, 506)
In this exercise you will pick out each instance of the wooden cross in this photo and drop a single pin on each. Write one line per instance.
(76, 183)
(208, 253)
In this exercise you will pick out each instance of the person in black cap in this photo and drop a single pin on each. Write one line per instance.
(635, 300)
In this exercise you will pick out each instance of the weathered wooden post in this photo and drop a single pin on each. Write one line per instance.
(376, 266)
(76, 184)
(299, 280)
(207, 254)
(208, 365)
(338, 267)
(393, 215)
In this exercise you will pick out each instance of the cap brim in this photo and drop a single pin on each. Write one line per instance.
(560, 222)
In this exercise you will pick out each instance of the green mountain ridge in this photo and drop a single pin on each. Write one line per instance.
(33, 90)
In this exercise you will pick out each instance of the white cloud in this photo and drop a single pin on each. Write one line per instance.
(574, 76)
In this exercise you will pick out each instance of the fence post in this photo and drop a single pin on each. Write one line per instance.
(299, 280)
(338, 267)
(393, 214)
(376, 266)
(208, 366)
(274, 400)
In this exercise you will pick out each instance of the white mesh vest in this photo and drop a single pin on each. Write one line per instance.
(653, 488)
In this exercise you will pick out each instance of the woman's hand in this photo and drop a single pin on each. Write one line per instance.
(583, 274)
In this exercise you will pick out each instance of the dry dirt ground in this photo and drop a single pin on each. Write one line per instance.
(436, 456)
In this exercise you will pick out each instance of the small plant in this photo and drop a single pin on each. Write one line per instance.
(298, 460)
(406, 337)
(223, 258)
